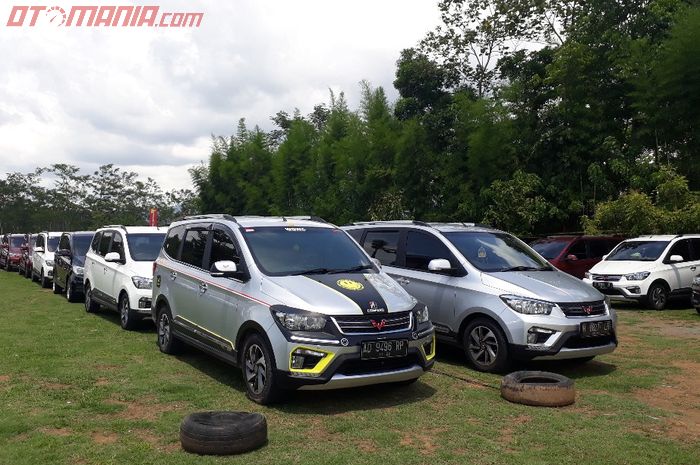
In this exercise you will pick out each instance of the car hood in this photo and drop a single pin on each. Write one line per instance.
(143, 269)
(621, 267)
(340, 293)
(552, 286)
(78, 261)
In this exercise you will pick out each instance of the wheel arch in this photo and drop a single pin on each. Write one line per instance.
(246, 329)
(471, 316)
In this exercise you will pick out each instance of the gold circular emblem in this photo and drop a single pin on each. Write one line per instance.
(350, 285)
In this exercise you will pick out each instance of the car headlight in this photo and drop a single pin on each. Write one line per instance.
(528, 306)
(421, 314)
(49, 262)
(639, 276)
(299, 320)
(78, 270)
(141, 282)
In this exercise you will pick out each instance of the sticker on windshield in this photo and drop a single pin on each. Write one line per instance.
(295, 229)
(350, 285)
(482, 252)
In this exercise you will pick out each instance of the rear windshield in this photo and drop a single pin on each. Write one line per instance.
(16, 241)
(549, 249)
(145, 247)
(638, 251)
(81, 244)
(496, 252)
(52, 243)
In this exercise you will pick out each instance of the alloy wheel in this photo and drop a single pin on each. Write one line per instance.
(483, 345)
(255, 369)
(124, 312)
(658, 297)
(163, 330)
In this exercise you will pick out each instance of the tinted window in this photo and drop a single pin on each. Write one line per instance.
(579, 250)
(80, 244)
(696, 249)
(382, 245)
(356, 234)
(16, 241)
(496, 252)
(639, 251)
(117, 244)
(550, 249)
(53, 243)
(193, 248)
(65, 243)
(681, 248)
(145, 247)
(39, 241)
(173, 241)
(599, 247)
(104, 243)
(95, 246)
(222, 248)
(287, 251)
(421, 248)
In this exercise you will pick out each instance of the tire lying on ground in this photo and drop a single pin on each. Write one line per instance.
(538, 388)
(222, 433)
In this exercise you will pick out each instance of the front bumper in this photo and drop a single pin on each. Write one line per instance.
(623, 290)
(343, 367)
(140, 300)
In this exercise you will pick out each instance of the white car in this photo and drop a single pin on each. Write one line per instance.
(648, 269)
(119, 270)
(43, 257)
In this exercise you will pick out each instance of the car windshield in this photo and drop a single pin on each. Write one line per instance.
(16, 242)
(638, 251)
(145, 247)
(549, 249)
(280, 251)
(496, 252)
(81, 244)
(52, 243)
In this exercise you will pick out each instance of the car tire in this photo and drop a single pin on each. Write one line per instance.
(70, 291)
(127, 319)
(20, 270)
(55, 287)
(257, 367)
(34, 276)
(486, 346)
(657, 296)
(538, 388)
(44, 281)
(167, 342)
(90, 305)
(223, 433)
(697, 309)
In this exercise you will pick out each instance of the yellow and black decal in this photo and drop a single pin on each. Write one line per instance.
(356, 288)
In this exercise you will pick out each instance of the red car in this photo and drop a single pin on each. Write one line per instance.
(575, 254)
(11, 251)
(25, 263)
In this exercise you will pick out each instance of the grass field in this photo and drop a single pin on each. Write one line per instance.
(76, 389)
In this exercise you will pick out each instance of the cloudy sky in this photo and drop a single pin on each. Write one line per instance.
(147, 99)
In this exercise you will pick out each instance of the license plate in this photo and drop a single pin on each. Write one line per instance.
(596, 328)
(602, 285)
(384, 349)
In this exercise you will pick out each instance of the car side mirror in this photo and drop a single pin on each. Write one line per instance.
(39, 249)
(377, 262)
(572, 257)
(439, 264)
(676, 258)
(113, 257)
(605, 256)
(227, 269)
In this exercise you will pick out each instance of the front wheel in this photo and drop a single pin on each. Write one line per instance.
(44, 279)
(485, 346)
(90, 305)
(657, 296)
(127, 319)
(70, 291)
(56, 288)
(258, 370)
(167, 342)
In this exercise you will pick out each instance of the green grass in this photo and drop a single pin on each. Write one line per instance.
(75, 388)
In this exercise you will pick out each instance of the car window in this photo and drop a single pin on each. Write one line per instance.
(222, 248)
(548, 248)
(95, 246)
(80, 244)
(16, 241)
(599, 247)
(193, 247)
(65, 243)
(356, 234)
(578, 249)
(53, 243)
(117, 244)
(145, 247)
(382, 245)
(39, 241)
(496, 252)
(695, 253)
(104, 243)
(173, 241)
(421, 248)
(681, 248)
(640, 251)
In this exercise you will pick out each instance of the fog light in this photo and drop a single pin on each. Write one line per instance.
(537, 335)
(305, 359)
(634, 290)
(144, 302)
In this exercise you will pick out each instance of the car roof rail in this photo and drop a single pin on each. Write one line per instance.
(120, 226)
(314, 218)
(397, 222)
(210, 216)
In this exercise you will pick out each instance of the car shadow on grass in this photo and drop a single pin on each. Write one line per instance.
(145, 325)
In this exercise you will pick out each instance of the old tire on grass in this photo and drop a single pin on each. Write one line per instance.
(538, 388)
(223, 433)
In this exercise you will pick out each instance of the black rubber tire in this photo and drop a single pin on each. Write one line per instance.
(56, 288)
(223, 433)
(657, 296)
(697, 309)
(270, 392)
(127, 319)
(501, 362)
(20, 270)
(43, 280)
(70, 291)
(166, 340)
(538, 388)
(35, 277)
(90, 305)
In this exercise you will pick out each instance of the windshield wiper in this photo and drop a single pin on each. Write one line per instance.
(313, 271)
(332, 271)
(527, 268)
(354, 269)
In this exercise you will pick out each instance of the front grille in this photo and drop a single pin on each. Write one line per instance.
(583, 308)
(576, 342)
(382, 323)
(364, 367)
(606, 277)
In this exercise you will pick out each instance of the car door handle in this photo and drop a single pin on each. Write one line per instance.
(402, 281)
(173, 275)
(203, 288)
(693, 268)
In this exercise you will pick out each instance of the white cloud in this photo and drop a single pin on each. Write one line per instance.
(148, 99)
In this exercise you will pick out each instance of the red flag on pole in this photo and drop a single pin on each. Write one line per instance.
(153, 217)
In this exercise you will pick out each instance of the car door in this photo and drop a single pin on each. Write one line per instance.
(188, 288)
(62, 261)
(99, 268)
(682, 273)
(37, 257)
(90, 262)
(114, 271)
(435, 289)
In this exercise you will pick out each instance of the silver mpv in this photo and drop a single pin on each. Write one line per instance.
(294, 302)
(490, 293)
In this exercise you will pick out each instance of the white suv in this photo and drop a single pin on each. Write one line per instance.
(119, 270)
(648, 269)
(43, 257)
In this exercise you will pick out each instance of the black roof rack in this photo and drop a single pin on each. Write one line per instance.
(210, 216)
(121, 226)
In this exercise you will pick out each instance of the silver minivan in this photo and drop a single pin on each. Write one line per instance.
(490, 293)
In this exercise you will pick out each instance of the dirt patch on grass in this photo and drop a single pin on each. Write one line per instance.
(146, 408)
(55, 386)
(680, 398)
(4, 378)
(424, 441)
(101, 382)
(104, 438)
(506, 438)
(57, 432)
(673, 329)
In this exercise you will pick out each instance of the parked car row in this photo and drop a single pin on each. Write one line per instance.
(297, 303)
